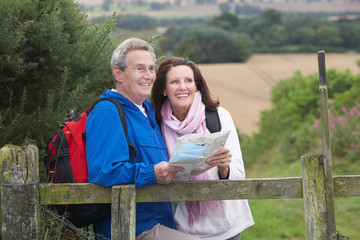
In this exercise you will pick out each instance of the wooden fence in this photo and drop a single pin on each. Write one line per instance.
(19, 178)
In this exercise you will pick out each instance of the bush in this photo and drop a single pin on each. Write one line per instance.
(51, 59)
(344, 132)
(291, 128)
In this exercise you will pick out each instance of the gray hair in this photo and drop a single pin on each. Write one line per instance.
(119, 57)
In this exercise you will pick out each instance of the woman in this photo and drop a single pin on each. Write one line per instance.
(180, 96)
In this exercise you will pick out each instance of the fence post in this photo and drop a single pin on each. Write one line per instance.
(123, 212)
(317, 222)
(19, 181)
(326, 142)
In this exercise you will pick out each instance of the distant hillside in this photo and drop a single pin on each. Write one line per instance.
(186, 7)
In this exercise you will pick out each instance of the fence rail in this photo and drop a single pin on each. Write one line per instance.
(18, 176)
(258, 188)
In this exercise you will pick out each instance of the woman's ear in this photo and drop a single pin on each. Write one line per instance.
(164, 93)
(117, 73)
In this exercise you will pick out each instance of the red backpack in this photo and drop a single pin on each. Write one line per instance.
(65, 162)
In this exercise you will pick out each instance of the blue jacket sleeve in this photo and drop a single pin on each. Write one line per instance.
(107, 151)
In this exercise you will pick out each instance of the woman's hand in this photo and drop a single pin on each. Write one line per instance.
(222, 160)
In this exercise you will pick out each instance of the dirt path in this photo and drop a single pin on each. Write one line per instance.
(244, 89)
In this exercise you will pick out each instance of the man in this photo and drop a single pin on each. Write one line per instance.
(109, 161)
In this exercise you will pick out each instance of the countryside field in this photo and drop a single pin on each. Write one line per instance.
(245, 88)
(186, 9)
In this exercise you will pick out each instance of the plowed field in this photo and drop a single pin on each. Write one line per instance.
(244, 89)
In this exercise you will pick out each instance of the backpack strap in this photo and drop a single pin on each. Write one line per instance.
(212, 120)
(132, 148)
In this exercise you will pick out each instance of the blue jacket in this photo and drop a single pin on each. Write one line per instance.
(108, 160)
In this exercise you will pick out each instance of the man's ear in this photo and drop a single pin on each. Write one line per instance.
(117, 73)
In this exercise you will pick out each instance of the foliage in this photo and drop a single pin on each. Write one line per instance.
(226, 21)
(339, 236)
(271, 32)
(224, 7)
(247, 9)
(135, 22)
(159, 6)
(271, 17)
(322, 36)
(350, 34)
(141, 22)
(276, 36)
(207, 44)
(106, 4)
(345, 132)
(51, 59)
(288, 127)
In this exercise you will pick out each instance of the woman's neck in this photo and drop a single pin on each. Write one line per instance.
(180, 115)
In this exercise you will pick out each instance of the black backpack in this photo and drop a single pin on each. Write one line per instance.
(212, 121)
(65, 162)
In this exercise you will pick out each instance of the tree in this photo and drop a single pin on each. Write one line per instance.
(107, 4)
(247, 10)
(327, 36)
(51, 59)
(135, 22)
(191, 48)
(276, 36)
(224, 7)
(159, 6)
(271, 16)
(351, 37)
(209, 44)
(303, 35)
(226, 20)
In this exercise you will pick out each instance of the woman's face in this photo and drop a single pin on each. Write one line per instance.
(180, 88)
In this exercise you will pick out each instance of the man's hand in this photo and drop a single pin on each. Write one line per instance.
(165, 173)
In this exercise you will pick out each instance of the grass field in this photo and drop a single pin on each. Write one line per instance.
(283, 219)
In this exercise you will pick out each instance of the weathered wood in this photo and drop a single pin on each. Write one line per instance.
(346, 186)
(261, 188)
(19, 192)
(266, 188)
(270, 188)
(73, 193)
(315, 207)
(326, 142)
(123, 212)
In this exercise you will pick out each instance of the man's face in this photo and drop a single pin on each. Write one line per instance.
(136, 81)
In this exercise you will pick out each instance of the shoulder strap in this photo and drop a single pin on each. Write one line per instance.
(132, 148)
(212, 120)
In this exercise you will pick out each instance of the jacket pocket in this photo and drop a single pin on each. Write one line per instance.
(151, 140)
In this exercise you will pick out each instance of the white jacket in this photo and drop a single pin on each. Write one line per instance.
(234, 215)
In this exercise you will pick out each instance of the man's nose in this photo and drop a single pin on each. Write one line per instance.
(148, 73)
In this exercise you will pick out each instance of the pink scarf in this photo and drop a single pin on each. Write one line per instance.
(172, 129)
